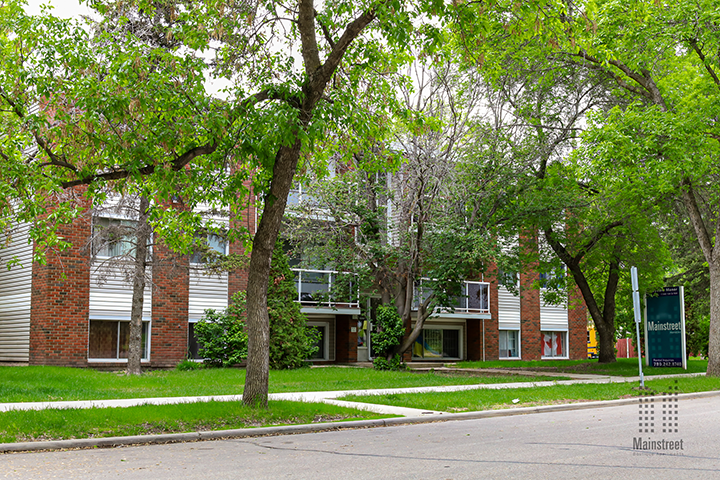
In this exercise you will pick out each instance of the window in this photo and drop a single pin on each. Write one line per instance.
(554, 344)
(113, 236)
(109, 340)
(437, 343)
(193, 343)
(213, 242)
(509, 344)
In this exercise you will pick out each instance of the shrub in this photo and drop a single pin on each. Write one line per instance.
(388, 334)
(187, 365)
(222, 336)
(292, 342)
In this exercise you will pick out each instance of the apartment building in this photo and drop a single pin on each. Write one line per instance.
(75, 311)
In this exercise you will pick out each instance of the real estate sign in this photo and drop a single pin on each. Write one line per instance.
(665, 328)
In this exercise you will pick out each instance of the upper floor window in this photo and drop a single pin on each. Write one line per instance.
(113, 237)
(213, 243)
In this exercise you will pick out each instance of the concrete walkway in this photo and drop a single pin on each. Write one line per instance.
(332, 397)
(408, 415)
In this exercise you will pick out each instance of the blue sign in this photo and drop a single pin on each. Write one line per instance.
(665, 328)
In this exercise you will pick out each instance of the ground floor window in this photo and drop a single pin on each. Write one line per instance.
(509, 343)
(109, 339)
(437, 343)
(554, 344)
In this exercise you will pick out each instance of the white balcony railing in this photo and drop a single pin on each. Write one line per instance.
(327, 288)
(474, 298)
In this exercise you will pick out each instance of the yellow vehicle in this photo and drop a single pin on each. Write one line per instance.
(592, 343)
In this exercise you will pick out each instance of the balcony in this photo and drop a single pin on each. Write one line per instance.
(474, 299)
(326, 288)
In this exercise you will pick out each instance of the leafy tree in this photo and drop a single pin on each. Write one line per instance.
(591, 227)
(392, 226)
(663, 58)
(156, 99)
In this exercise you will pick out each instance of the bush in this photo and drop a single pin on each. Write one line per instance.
(187, 365)
(221, 335)
(388, 334)
(292, 342)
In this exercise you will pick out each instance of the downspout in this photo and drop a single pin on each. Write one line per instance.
(483, 339)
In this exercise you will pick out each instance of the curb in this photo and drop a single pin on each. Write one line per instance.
(108, 442)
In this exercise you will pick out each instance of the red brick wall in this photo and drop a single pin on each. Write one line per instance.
(60, 302)
(237, 280)
(169, 330)
(530, 338)
(492, 346)
(577, 326)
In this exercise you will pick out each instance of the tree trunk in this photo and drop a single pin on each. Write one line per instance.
(604, 320)
(713, 368)
(142, 237)
(712, 256)
(258, 323)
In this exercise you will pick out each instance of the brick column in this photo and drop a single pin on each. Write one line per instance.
(169, 330)
(492, 327)
(244, 221)
(577, 326)
(530, 337)
(60, 300)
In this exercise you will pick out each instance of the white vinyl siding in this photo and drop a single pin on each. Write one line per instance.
(553, 317)
(15, 296)
(206, 291)
(508, 310)
(111, 295)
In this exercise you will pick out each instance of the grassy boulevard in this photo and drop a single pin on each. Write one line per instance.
(33, 384)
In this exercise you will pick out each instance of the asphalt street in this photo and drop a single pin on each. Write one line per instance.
(593, 443)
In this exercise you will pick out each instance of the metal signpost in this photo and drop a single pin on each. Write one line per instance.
(636, 308)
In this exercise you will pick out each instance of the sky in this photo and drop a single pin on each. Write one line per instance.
(62, 8)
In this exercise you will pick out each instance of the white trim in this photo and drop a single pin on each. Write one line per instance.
(326, 340)
(329, 311)
(148, 342)
(439, 326)
(519, 343)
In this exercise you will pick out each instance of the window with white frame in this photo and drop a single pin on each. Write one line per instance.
(213, 242)
(554, 344)
(438, 342)
(113, 237)
(509, 343)
(110, 340)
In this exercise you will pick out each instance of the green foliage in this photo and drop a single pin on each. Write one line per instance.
(388, 333)
(697, 329)
(221, 335)
(292, 342)
(395, 363)
(188, 365)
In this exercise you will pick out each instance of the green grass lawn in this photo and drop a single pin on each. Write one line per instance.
(54, 424)
(624, 367)
(482, 399)
(41, 384)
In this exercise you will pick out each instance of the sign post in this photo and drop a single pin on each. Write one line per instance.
(665, 328)
(636, 308)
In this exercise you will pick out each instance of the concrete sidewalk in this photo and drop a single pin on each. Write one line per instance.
(408, 415)
(331, 397)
